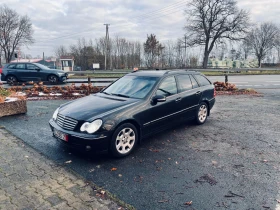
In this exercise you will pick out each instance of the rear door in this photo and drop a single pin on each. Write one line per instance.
(190, 94)
(205, 87)
(20, 71)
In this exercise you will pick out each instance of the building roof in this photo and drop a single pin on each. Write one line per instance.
(29, 60)
(66, 57)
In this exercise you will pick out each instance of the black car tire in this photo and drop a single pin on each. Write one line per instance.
(202, 113)
(124, 140)
(52, 78)
(11, 79)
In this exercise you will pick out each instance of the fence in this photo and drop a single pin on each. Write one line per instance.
(226, 72)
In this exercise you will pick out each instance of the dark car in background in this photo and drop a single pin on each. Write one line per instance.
(132, 108)
(16, 72)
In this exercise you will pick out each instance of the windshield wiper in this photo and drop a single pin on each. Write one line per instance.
(106, 93)
(121, 95)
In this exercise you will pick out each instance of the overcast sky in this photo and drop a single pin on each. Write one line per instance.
(62, 22)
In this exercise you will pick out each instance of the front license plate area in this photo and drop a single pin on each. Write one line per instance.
(60, 135)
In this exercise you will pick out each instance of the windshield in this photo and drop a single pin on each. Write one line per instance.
(132, 87)
(41, 66)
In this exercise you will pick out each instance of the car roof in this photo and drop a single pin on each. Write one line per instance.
(20, 63)
(160, 73)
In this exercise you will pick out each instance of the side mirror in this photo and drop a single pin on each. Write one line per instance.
(158, 98)
(37, 69)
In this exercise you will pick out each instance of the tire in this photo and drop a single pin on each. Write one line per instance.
(124, 140)
(11, 79)
(53, 79)
(202, 113)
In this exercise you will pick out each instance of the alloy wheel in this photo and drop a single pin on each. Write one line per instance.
(11, 80)
(202, 113)
(53, 79)
(125, 140)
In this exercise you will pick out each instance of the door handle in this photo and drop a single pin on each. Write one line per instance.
(198, 92)
(178, 99)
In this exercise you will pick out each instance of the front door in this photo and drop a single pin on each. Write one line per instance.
(33, 74)
(161, 114)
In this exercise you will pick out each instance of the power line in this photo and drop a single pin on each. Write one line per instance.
(145, 16)
(157, 12)
(148, 20)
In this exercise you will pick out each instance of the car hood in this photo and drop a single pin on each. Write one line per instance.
(95, 106)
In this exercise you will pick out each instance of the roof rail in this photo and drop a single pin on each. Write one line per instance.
(167, 72)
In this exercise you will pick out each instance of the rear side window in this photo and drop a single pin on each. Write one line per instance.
(194, 82)
(12, 66)
(202, 80)
(184, 83)
(20, 66)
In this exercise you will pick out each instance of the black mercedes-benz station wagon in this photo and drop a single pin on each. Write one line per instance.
(135, 106)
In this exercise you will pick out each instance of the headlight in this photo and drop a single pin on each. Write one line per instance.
(61, 74)
(55, 114)
(91, 127)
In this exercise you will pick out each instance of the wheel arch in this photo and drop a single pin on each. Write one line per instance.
(208, 107)
(11, 74)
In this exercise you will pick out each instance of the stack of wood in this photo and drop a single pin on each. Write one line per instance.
(225, 86)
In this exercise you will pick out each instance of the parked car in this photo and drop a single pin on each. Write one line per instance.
(14, 72)
(133, 107)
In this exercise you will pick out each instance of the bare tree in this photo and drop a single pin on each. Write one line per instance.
(60, 51)
(262, 39)
(211, 21)
(245, 49)
(15, 30)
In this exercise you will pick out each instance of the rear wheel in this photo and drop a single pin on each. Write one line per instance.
(11, 79)
(202, 113)
(53, 79)
(124, 140)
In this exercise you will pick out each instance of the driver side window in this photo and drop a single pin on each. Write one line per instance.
(168, 87)
(30, 66)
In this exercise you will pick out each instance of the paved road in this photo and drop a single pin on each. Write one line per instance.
(251, 81)
(231, 161)
(241, 81)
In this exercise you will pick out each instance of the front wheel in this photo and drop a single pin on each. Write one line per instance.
(202, 113)
(53, 79)
(124, 140)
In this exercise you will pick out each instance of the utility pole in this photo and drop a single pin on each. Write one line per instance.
(106, 43)
(185, 46)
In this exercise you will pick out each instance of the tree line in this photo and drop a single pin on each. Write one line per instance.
(125, 54)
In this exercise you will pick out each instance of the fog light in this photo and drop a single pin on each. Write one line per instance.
(88, 148)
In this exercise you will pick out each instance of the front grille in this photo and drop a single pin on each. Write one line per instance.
(66, 122)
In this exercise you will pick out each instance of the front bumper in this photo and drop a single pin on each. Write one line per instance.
(63, 78)
(83, 141)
